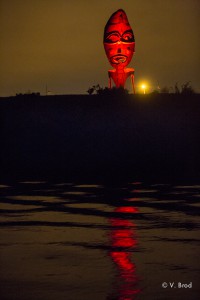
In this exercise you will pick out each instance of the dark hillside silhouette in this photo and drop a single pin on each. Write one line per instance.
(151, 136)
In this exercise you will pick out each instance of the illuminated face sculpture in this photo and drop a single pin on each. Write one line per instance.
(119, 42)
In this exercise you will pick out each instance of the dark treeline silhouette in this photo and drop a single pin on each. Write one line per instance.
(114, 91)
(185, 89)
(34, 94)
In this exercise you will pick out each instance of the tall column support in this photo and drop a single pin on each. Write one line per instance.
(133, 84)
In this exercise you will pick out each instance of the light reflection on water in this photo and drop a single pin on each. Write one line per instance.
(89, 241)
(123, 241)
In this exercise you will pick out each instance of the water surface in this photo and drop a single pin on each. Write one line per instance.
(71, 240)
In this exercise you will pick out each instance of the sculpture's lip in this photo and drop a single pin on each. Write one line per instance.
(118, 59)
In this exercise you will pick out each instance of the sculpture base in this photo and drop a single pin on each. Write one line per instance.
(119, 76)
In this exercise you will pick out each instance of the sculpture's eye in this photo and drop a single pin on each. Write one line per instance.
(112, 38)
(128, 37)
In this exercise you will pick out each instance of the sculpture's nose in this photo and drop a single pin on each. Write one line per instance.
(119, 50)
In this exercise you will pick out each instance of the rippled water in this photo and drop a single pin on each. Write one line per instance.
(77, 241)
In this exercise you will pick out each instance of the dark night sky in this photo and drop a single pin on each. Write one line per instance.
(58, 43)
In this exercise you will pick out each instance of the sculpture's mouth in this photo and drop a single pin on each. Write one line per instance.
(118, 59)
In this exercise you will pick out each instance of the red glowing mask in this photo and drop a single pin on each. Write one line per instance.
(119, 41)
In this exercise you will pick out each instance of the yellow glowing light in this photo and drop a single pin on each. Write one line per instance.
(144, 87)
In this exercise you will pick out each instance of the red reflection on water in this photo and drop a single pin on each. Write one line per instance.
(123, 260)
(127, 209)
(123, 239)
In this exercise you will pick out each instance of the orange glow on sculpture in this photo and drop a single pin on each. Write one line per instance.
(119, 44)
